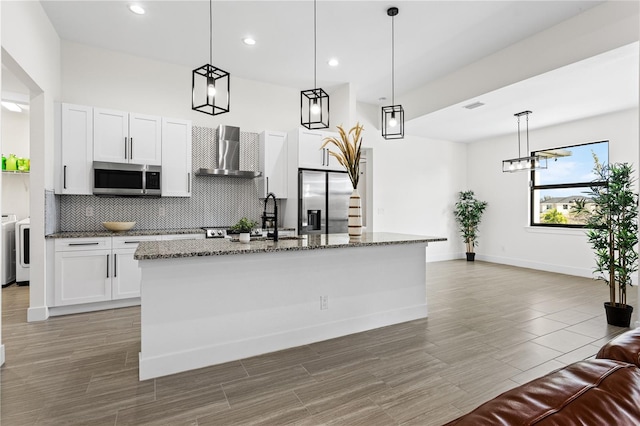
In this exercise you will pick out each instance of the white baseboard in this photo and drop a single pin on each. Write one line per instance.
(560, 269)
(90, 307)
(179, 361)
(37, 313)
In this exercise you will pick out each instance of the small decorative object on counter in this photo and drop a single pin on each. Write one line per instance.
(468, 212)
(4, 162)
(23, 164)
(12, 163)
(349, 147)
(244, 227)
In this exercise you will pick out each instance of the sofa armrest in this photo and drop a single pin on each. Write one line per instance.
(625, 347)
(591, 392)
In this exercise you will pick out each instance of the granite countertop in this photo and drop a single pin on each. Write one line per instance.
(131, 233)
(222, 246)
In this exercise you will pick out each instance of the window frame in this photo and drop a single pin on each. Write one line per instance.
(533, 188)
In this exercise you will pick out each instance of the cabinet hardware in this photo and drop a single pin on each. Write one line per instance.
(267, 185)
(83, 244)
(131, 148)
(115, 266)
(107, 266)
(125, 148)
(64, 177)
(132, 242)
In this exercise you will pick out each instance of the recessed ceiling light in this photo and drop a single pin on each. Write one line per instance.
(11, 106)
(333, 62)
(138, 10)
(249, 41)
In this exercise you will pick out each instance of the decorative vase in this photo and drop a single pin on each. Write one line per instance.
(617, 315)
(245, 237)
(355, 216)
(12, 162)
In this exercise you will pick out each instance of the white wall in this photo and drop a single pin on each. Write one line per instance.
(415, 184)
(31, 50)
(15, 140)
(109, 79)
(505, 236)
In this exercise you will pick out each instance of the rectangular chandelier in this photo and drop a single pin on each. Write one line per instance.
(533, 162)
(210, 88)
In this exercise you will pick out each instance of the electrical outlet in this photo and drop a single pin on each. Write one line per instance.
(88, 212)
(161, 212)
(324, 303)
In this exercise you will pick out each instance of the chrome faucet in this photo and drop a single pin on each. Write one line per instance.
(271, 216)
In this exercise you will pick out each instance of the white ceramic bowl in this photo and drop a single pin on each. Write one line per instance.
(118, 226)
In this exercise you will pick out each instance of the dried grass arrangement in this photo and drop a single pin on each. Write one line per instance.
(348, 154)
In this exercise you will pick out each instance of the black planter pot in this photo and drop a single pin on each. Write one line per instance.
(471, 257)
(617, 315)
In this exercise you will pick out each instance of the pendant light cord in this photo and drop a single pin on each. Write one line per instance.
(528, 151)
(393, 61)
(519, 153)
(210, 32)
(315, 54)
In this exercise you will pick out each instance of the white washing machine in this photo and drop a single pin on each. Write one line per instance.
(22, 251)
(8, 248)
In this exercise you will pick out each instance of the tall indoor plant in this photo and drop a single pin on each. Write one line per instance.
(613, 235)
(468, 212)
(349, 147)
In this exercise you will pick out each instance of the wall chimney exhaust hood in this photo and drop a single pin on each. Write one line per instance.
(228, 156)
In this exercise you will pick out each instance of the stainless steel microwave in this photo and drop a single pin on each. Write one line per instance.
(132, 180)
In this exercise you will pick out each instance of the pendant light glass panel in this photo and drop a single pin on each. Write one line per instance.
(393, 122)
(314, 109)
(210, 89)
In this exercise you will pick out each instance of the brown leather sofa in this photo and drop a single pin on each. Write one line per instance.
(600, 392)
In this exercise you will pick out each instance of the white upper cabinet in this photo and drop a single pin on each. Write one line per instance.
(121, 137)
(176, 158)
(74, 149)
(273, 164)
(306, 152)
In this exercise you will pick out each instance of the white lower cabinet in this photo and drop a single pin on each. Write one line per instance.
(83, 271)
(125, 283)
(90, 270)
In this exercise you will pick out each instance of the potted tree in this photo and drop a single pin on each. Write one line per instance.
(613, 235)
(244, 228)
(468, 212)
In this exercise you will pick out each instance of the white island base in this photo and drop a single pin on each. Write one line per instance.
(206, 310)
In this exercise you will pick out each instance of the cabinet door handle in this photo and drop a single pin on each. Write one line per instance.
(125, 147)
(107, 266)
(267, 185)
(115, 266)
(64, 177)
(83, 244)
(132, 242)
(188, 182)
(131, 148)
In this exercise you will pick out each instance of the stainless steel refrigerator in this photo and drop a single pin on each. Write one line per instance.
(323, 202)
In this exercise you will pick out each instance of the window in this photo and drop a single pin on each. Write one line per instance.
(560, 193)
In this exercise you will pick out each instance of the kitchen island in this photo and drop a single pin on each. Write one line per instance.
(206, 302)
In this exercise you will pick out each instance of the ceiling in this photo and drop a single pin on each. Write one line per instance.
(432, 39)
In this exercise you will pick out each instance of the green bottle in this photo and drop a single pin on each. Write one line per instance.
(4, 162)
(12, 162)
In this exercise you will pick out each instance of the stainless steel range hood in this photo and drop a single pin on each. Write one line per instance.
(229, 156)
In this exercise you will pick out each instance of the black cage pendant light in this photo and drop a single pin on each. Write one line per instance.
(210, 91)
(532, 162)
(314, 103)
(393, 116)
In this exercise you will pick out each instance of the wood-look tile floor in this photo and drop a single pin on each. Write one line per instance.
(490, 328)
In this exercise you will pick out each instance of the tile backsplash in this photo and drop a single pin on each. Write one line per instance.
(214, 201)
